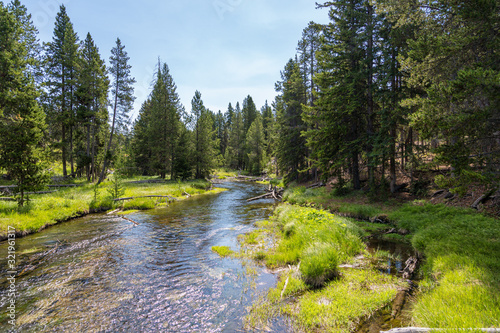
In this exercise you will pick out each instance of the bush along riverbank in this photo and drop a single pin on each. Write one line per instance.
(329, 281)
(44, 210)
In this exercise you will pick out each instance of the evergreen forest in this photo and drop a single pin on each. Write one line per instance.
(387, 94)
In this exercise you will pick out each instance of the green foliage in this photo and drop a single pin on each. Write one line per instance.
(461, 284)
(204, 138)
(223, 251)
(139, 204)
(116, 190)
(256, 146)
(22, 121)
(290, 149)
(319, 263)
(311, 225)
(341, 305)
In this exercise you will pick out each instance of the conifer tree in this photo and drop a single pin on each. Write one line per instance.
(204, 143)
(92, 93)
(122, 91)
(256, 146)
(236, 146)
(166, 112)
(291, 150)
(249, 112)
(60, 69)
(22, 121)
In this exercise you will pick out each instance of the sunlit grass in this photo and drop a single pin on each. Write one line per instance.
(223, 251)
(314, 291)
(67, 203)
(301, 226)
(461, 285)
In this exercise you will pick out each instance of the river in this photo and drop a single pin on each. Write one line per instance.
(104, 274)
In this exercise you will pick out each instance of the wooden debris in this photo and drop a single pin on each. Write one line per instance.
(115, 211)
(284, 287)
(126, 218)
(7, 199)
(146, 196)
(410, 268)
(272, 193)
(316, 185)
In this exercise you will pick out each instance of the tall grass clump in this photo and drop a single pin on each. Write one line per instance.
(299, 195)
(319, 263)
(316, 238)
(461, 275)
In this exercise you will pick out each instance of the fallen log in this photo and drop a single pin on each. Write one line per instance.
(316, 185)
(130, 220)
(115, 211)
(69, 185)
(482, 199)
(146, 196)
(7, 199)
(264, 196)
(41, 192)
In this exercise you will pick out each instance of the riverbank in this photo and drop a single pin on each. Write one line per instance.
(44, 210)
(458, 283)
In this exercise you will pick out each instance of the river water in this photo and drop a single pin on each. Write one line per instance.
(104, 274)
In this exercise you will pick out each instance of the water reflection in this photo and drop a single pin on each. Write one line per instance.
(103, 274)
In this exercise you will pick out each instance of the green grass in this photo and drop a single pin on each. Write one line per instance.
(302, 226)
(66, 203)
(315, 292)
(223, 251)
(224, 173)
(343, 303)
(251, 238)
(461, 276)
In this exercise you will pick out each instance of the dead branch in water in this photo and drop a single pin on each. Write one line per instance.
(146, 196)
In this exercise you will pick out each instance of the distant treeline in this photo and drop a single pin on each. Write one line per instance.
(387, 89)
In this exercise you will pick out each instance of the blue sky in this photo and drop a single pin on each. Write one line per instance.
(226, 49)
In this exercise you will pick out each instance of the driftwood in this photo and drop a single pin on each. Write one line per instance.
(410, 268)
(130, 220)
(272, 193)
(115, 211)
(482, 199)
(146, 196)
(320, 184)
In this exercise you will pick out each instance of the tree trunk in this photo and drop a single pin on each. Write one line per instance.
(355, 170)
(370, 100)
(93, 167)
(105, 163)
(392, 157)
(87, 165)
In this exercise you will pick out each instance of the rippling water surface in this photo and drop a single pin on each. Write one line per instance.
(103, 274)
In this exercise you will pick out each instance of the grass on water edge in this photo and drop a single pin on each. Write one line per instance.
(67, 203)
(314, 290)
(460, 276)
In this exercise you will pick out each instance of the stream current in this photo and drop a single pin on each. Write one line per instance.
(102, 273)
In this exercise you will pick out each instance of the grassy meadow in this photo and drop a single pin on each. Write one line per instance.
(67, 203)
(459, 279)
